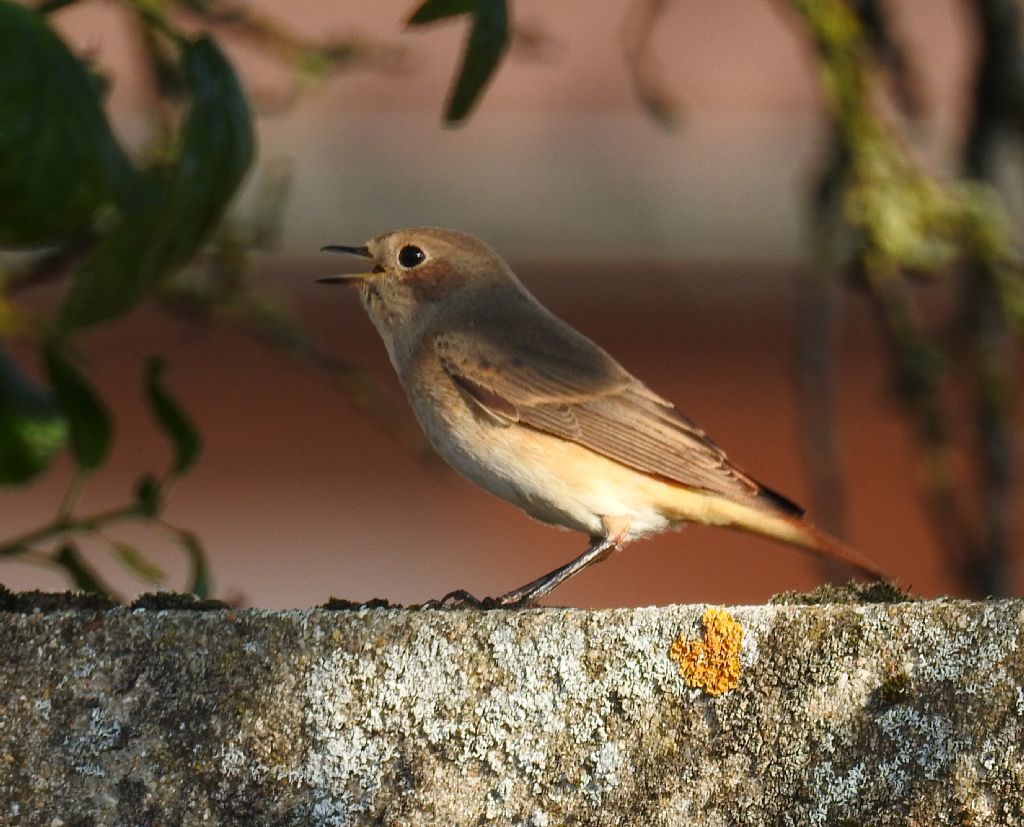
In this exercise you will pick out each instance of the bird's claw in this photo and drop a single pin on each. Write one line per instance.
(462, 599)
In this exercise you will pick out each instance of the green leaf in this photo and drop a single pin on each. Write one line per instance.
(433, 10)
(131, 558)
(147, 494)
(88, 419)
(176, 424)
(488, 41)
(32, 431)
(487, 44)
(80, 572)
(60, 164)
(200, 580)
(172, 211)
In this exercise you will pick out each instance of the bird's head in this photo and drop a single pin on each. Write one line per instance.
(417, 270)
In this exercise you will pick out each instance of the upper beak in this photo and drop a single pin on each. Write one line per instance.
(346, 278)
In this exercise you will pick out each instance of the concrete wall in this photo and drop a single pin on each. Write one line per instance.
(907, 713)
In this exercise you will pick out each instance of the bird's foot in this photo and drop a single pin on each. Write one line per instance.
(462, 599)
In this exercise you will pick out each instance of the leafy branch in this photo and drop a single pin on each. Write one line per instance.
(485, 47)
(90, 436)
(906, 225)
(491, 34)
(118, 228)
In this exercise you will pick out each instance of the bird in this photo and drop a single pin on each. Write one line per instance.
(527, 407)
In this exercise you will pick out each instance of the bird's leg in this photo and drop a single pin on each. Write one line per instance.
(600, 547)
(616, 529)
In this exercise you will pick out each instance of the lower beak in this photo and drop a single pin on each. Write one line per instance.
(347, 278)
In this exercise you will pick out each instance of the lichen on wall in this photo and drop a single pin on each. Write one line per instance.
(711, 663)
(862, 714)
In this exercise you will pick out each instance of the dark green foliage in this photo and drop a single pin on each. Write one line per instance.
(65, 180)
(80, 572)
(90, 440)
(172, 418)
(147, 494)
(90, 427)
(32, 430)
(60, 166)
(171, 210)
(135, 561)
(488, 41)
(199, 581)
(433, 10)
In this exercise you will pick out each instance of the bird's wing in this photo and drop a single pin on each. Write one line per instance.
(557, 381)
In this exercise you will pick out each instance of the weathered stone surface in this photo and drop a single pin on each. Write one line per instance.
(907, 713)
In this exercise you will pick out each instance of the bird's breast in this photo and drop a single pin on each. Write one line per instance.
(554, 480)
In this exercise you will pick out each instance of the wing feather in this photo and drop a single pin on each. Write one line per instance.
(561, 383)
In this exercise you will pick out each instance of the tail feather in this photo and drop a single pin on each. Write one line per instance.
(809, 537)
(779, 523)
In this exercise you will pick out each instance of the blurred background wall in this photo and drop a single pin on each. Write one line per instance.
(677, 250)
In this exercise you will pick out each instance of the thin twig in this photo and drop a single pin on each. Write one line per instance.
(998, 109)
(913, 223)
(57, 528)
(637, 33)
(71, 496)
(919, 365)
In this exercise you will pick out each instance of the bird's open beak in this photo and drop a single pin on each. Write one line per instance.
(346, 278)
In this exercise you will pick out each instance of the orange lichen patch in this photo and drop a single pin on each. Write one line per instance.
(711, 664)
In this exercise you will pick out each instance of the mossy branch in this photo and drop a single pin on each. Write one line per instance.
(910, 224)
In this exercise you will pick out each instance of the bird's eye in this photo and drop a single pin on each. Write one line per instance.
(411, 256)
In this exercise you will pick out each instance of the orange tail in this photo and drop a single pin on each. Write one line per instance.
(769, 520)
(811, 538)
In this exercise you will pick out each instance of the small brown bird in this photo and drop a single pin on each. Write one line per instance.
(533, 411)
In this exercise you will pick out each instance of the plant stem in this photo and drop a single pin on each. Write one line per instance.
(70, 498)
(63, 525)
